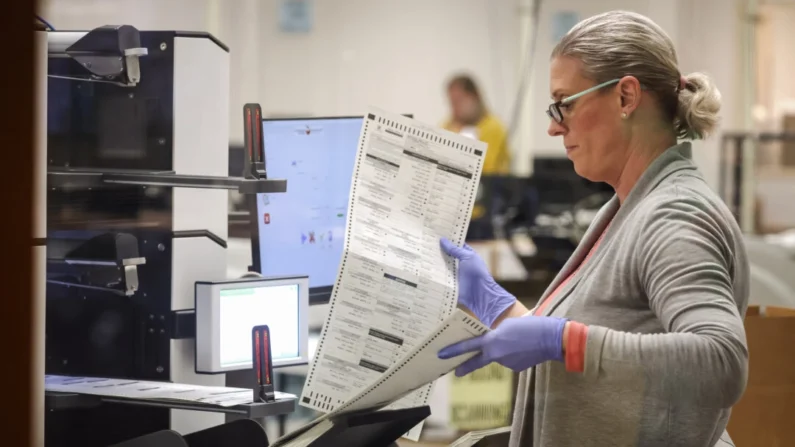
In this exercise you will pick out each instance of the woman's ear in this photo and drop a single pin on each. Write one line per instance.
(630, 92)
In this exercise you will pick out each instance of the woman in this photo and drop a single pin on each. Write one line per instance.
(471, 117)
(639, 341)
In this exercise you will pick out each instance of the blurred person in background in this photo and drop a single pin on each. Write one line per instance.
(639, 339)
(471, 117)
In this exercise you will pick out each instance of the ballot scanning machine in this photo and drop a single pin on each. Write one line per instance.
(133, 212)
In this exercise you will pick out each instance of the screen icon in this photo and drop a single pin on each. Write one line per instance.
(267, 218)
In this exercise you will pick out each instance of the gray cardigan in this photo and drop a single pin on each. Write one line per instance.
(664, 296)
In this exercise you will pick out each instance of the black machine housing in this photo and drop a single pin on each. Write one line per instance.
(110, 214)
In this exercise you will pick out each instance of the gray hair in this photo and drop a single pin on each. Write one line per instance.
(620, 43)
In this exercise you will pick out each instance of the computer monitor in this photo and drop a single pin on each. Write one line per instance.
(301, 231)
(226, 312)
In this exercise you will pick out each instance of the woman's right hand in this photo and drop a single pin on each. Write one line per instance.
(477, 290)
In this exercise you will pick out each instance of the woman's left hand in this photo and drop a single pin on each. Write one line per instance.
(518, 343)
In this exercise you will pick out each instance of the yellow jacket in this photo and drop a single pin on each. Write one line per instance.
(491, 132)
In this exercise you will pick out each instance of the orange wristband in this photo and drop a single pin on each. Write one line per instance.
(575, 347)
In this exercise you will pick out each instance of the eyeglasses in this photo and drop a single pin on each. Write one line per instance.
(554, 111)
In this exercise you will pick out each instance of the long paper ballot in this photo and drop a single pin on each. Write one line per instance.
(412, 185)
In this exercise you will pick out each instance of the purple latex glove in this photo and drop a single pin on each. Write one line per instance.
(518, 343)
(477, 290)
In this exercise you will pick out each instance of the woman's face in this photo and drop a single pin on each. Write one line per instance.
(464, 105)
(592, 128)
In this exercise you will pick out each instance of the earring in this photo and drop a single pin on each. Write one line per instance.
(624, 115)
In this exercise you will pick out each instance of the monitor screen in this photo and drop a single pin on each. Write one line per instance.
(243, 309)
(301, 232)
(227, 311)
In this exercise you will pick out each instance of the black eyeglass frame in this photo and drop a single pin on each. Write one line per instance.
(554, 112)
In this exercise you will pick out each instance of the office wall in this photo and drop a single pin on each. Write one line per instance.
(782, 88)
(775, 82)
(143, 14)
(397, 55)
(708, 39)
(775, 87)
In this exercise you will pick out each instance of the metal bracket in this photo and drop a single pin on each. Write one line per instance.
(87, 178)
(107, 262)
(109, 53)
(183, 324)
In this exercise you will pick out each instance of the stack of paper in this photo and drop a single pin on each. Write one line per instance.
(472, 438)
(150, 390)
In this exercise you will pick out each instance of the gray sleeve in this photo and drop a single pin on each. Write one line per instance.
(686, 257)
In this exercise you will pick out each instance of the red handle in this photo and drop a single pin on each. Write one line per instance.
(257, 359)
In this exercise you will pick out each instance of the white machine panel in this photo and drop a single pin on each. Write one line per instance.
(193, 259)
(201, 132)
(227, 311)
(201, 147)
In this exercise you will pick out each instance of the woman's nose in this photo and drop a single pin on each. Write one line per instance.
(555, 129)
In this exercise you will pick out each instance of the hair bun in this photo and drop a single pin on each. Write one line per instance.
(697, 111)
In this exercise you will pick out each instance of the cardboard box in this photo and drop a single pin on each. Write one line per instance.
(765, 415)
